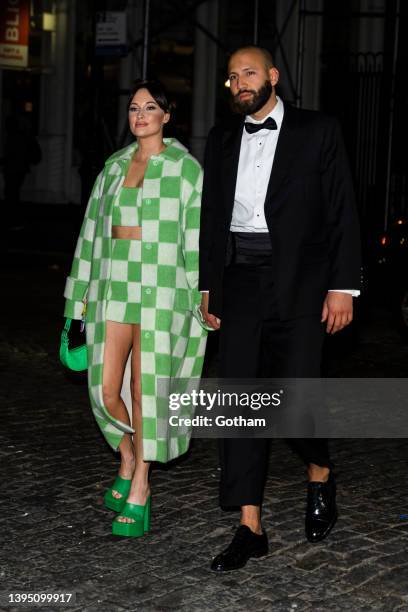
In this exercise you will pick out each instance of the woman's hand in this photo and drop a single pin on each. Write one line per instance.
(211, 320)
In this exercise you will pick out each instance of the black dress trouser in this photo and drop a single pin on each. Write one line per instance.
(255, 343)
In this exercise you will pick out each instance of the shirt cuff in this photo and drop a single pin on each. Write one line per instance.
(353, 292)
(204, 291)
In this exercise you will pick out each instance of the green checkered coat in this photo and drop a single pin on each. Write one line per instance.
(172, 338)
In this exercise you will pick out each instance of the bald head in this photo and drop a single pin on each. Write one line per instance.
(260, 52)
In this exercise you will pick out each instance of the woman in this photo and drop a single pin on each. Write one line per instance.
(135, 272)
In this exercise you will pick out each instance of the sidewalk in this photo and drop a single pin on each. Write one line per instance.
(55, 466)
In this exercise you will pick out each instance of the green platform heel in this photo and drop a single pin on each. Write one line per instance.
(140, 516)
(122, 486)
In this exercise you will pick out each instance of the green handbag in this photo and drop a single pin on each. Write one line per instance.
(76, 358)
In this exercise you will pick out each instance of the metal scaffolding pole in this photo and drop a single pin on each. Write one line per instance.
(301, 37)
(392, 108)
(146, 38)
(256, 21)
(279, 48)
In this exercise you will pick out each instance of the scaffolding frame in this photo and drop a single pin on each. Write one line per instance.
(296, 10)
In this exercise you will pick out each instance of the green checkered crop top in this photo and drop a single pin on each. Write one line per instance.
(127, 206)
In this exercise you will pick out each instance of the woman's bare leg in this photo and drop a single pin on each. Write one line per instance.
(118, 342)
(140, 489)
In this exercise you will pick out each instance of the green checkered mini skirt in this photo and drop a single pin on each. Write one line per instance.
(124, 293)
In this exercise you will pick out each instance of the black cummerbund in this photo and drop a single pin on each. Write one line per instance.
(250, 248)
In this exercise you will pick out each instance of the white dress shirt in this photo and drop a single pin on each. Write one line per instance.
(254, 169)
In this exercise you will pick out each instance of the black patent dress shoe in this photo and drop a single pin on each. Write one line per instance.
(245, 545)
(321, 510)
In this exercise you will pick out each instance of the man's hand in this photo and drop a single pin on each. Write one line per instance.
(211, 320)
(337, 311)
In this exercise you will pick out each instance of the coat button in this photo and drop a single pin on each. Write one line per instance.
(155, 163)
(148, 291)
(147, 335)
(148, 247)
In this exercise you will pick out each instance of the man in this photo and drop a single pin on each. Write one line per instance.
(279, 265)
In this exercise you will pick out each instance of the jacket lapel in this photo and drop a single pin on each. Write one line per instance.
(286, 149)
(231, 145)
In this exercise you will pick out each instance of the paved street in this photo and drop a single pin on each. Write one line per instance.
(55, 466)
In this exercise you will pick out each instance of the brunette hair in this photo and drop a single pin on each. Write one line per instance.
(155, 89)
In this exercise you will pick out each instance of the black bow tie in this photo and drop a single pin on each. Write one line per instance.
(269, 124)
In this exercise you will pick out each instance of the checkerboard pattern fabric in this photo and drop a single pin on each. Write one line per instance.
(126, 207)
(124, 292)
(173, 338)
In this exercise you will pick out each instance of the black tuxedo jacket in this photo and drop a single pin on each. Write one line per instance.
(309, 208)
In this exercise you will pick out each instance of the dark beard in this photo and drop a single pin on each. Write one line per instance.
(249, 107)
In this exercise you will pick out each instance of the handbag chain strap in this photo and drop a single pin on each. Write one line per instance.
(64, 334)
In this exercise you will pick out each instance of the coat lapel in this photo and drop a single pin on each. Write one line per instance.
(231, 145)
(286, 149)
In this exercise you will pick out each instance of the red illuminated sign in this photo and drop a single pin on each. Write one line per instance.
(14, 28)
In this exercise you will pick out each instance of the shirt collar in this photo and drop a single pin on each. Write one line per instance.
(276, 113)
